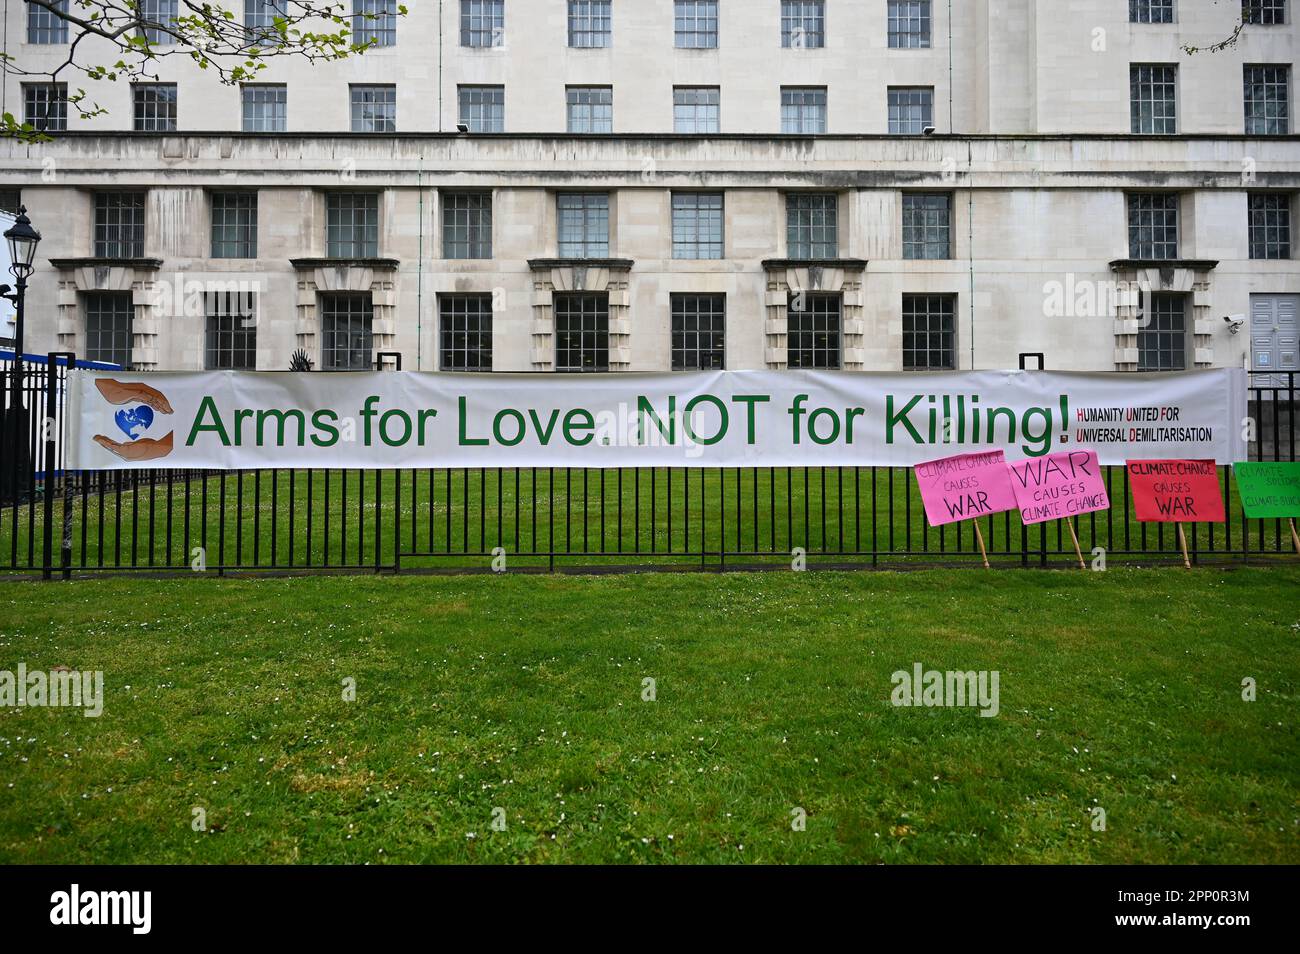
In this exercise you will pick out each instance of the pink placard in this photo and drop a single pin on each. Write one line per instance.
(1058, 485)
(965, 486)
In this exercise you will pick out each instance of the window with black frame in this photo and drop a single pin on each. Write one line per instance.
(347, 338)
(813, 322)
(927, 226)
(698, 332)
(110, 322)
(119, 224)
(231, 332)
(467, 225)
(465, 332)
(352, 225)
(234, 225)
(929, 333)
(1162, 341)
(1153, 226)
(581, 332)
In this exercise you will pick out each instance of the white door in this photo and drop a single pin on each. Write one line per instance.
(1274, 338)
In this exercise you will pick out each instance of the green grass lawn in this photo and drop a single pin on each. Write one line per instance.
(1120, 690)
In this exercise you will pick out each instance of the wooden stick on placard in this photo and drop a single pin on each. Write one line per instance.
(1182, 541)
(984, 553)
(1069, 522)
(1295, 537)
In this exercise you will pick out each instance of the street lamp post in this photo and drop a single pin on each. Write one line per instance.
(22, 240)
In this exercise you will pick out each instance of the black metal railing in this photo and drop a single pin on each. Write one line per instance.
(54, 522)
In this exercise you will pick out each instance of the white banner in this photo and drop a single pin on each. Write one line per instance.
(393, 419)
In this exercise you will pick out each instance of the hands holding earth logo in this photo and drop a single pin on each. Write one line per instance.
(133, 421)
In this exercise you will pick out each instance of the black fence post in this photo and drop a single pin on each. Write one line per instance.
(66, 555)
(51, 459)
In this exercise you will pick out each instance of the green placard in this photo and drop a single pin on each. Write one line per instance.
(1268, 489)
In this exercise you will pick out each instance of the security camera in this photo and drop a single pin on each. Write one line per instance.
(1234, 323)
(928, 131)
(462, 127)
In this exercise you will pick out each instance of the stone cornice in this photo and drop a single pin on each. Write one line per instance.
(307, 264)
(151, 264)
(1137, 264)
(543, 264)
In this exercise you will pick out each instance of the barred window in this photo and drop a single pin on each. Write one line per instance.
(591, 109)
(1153, 99)
(1270, 225)
(929, 333)
(45, 106)
(482, 23)
(234, 225)
(699, 328)
(695, 24)
(813, 331)
(695, 109)
(1162, 342)
(803, 24)
(584, 224)
(909, 24)
(374, 109)
(351, 225)
(162, 12)
(590, 23)
(1264, 12)
(155, 107)
(10, 200)
(266, 108)
(465, 332)
(581, 332)
(1153, 226)
(812, 225)
(109, 321)
(483, 108)
(803, 110)
(119, 224)
(43, 26)
(467, 225)
(375, 21)
(697, 225)
(347, 342)
(1267, 96)
(1151, 11)
(927, 226)
(231, 343)
(259, 21)
(911, 110)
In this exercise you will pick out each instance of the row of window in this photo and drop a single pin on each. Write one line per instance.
(814, 337)
(1153, 97)
(697, 225)
(483, 23)
(1255, 12)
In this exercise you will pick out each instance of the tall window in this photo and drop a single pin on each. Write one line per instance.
(591, 109)
(1162, 342)
(909, 24)
(581, 332)
(697, 225)
(483, 108)
(1153, 99)
(695, 109)
(482, 23)
(231, 340)
(265, 108)
(803, 24)
(352, 224)
(467, 225)
(347, 341)
(162, 12)
(45, 106)
(109, 320)
(374, 108)
(1153, 226)
(584, 224)
(1268, 100)
(695, 24)
(119, 224)
(375, 21)
(812, 225)
(927, 226)
(590, 23)
(1264, 12)
(1270, 225)
(813, 331)
(1150, 11)
(929, 335)
(234, 225)
(155, 107)
(911, 110)
(44, 27)
(465, 332)
(699, 328)
(803, 110)
(259, 21)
